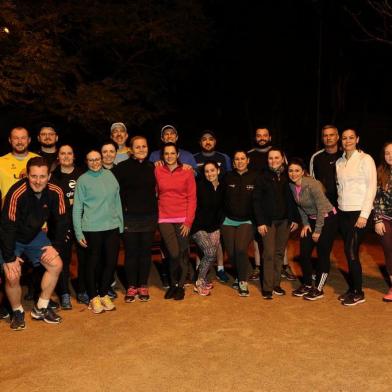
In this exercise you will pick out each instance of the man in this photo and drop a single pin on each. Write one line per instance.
(323, 163)
(258, 155)
(29, 205)
(13, 164)
(169, 134)
(47, 138)
(208, 153)
(119, 134)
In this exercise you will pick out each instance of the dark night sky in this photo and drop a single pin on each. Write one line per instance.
(260, 68)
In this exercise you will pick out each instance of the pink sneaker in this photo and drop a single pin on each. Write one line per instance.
(131, 294)
(144, 296)
(201, 289)
(208, 285)
(388, 297)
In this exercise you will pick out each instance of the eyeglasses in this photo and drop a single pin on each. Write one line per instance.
(94, 160)
(47, 134)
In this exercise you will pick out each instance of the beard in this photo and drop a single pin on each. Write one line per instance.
(48, 145)
(266, 145)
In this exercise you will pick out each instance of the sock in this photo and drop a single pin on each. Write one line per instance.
(42, 303)
(221, 268)
(20, 307)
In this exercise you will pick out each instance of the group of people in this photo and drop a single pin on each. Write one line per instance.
(50, 206)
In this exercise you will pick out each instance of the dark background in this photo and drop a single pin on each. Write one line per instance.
(289, 65)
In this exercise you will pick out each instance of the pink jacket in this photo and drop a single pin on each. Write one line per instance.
(176, 195)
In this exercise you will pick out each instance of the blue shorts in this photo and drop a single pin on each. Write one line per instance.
(32, 250)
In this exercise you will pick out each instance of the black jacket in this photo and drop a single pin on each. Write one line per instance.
(238, 190)
(137, 187)
(209, 213)
(24, 215)
(273, 199)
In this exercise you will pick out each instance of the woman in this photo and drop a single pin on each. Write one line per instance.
(98, 219)
(176, 190)
(276, 216)
(319, 220)
(207, 222)
(357, 184)
(383, 210)
(137, 189)
(109, 152)
(237, 229)
(65, 176)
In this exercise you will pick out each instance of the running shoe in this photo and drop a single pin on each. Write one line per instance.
(222, 276)
(131, 294)
(46, 314)
(255, 275)
(201, 289)
(243, 290)
(266, 294)
(66, 302)
(96, 305)
(165, 281)
(314, 294)
(4, 313)
(170, 293)
(279, 291)
(107, 303)
(287, 273)
(354, 299)
(343, 296)
(388, 296)
(208, 285)
(53, 305)
(301, 291)
(18, 321)
(235, 284)
(82, 298)
(179, 294)
(143, 294)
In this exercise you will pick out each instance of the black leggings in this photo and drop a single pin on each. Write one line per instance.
(177, 247)
(102, 247)
(352, 237)
(324, 247)
(138, 257)
(236, 240)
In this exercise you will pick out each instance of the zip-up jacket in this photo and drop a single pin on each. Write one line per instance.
(312, 202)
(383, 202)
(176, 195)
(357, 183)
(238, 191)
(209, 215)
(272, 199)
(24, 215)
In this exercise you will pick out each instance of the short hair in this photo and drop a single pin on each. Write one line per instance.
(136, 137)
(37, 161)
(329, 126)
(19, 128)
(110, 141)
(240, 151)
(47, 125)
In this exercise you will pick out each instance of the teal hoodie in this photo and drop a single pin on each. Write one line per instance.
(97, 203)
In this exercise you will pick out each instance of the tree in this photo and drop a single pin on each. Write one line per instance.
(92, 62)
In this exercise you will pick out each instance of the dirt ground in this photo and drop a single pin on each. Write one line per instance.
(217, 343)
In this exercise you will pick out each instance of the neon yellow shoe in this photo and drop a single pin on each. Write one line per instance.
(95, 305)
(107, 303)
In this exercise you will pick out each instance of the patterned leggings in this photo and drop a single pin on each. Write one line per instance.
(208, 244)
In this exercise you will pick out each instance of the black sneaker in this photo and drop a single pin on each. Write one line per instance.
(18, 321)
(354, 299)
(46, 314)
(53, 305)
(221, 276)
(266, 294)
(343, 296)
(170, 293)
(314, 294)
(301, 291)
(287, 273)
(279, 291)
(179, 295)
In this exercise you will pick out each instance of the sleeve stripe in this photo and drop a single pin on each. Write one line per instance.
(14, 201)
(60, 194)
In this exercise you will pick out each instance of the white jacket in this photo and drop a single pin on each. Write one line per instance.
(356, 182)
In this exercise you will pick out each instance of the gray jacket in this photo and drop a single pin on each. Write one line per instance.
(312, 202)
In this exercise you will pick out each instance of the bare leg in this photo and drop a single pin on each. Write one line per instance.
(50, 278)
